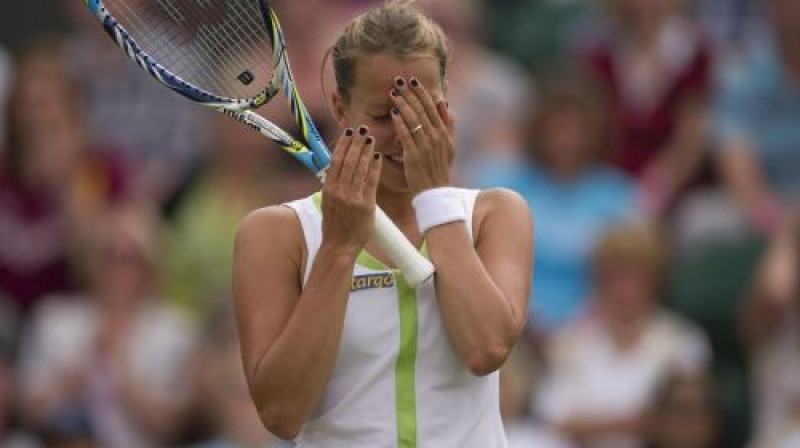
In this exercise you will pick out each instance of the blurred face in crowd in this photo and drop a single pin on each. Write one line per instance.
(125, 267)
(564, 140)
(688, 416)
(627, 291)
(122, 267)
(48, 132)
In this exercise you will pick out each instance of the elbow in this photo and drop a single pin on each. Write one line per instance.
(280, 422)
(485, 361)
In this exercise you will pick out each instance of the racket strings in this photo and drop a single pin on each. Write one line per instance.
(221, 46)
(156, 31)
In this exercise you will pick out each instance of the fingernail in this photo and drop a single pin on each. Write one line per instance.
(370, 140)
(394, 92)
(377, 155)
(348, 132)
(395, 110)
(414, 82)
(400, 82)
(362, 131)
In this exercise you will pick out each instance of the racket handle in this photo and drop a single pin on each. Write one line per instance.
(415, 267)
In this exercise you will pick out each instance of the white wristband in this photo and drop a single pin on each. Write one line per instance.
(438, 206)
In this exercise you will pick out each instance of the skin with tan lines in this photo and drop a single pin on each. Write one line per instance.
(290, 336)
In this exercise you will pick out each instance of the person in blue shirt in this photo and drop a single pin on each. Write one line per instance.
(573, 195)
(757, 121)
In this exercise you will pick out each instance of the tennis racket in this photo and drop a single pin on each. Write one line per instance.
(230, 55)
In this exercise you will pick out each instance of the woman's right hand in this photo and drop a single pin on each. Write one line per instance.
(348, 196)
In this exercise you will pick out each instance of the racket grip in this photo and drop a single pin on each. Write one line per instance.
(415, 267)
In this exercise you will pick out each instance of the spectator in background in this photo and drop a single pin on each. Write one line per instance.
(115, 359)
(50, 180)
(223, 389)
(772, 330)
(605, 367)
(242, 173)
(758, 122)
(655, 65)
(160, 135)
(489, 93)
(574, 197)
(685, 413)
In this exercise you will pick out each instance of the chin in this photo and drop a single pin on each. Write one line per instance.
(391, 184)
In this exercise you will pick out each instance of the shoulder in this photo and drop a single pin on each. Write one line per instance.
(60, 311)
(679, 333)
(275, 230)
(501, 209)
(272, 221)
(677, 327)
(574, 340)
(500, 201)
(681, 338)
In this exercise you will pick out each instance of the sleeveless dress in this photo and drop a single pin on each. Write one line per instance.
(397, 381)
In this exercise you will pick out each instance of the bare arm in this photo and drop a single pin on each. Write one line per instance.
(681, 157)
(743, 177)
(771, 302)
(483, 289)
(290, 336)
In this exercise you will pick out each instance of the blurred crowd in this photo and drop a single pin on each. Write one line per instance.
(657, 143)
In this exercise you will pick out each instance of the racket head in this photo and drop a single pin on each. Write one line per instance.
(211, 51)
(226, 54)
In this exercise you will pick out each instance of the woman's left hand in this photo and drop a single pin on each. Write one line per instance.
(427, 132)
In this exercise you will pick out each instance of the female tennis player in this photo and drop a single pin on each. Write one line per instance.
(338, 350)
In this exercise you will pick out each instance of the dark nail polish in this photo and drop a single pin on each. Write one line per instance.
(394, 92)
(348, 132)
(370, 140)
(395, 110)
(377, 155)
(414, 82)
(362, 131)
(400, 82)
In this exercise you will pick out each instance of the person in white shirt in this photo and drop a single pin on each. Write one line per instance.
(604, 368)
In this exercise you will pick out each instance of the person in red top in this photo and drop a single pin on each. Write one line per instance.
(656, 66)
(51, 181)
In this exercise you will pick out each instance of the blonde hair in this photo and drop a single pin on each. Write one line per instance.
(640, 243)
(399, 27)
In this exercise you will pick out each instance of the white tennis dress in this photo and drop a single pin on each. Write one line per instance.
(397, 381)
